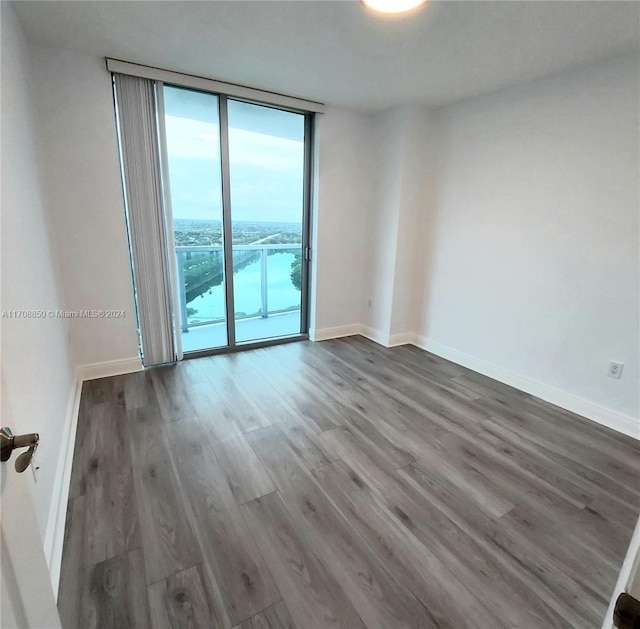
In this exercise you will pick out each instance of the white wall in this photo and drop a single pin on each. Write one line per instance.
(343, 198)
(399, 219)
(416, 207)
(37, 370)
(382, 218)
(83, 187)
(535, 261)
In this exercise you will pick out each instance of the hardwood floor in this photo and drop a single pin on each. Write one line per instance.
(339, 484)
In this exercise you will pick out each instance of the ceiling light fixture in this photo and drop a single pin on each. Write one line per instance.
(393, 6)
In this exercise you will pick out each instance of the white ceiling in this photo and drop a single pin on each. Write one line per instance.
(338, 52)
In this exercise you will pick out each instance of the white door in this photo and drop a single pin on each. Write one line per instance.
(27, 596)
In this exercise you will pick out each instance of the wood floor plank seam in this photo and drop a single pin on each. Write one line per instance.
(516, 564)
(274, 617)
(243, 514)
(443, 605)
(413, 512)
(310, 604)
(445, 420)
(247, 585)
(349, 559)
(339, 485)
(550, 458)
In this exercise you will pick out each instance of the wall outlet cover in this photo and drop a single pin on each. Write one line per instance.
(615, 370)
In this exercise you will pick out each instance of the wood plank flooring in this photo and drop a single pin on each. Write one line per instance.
(339, 484)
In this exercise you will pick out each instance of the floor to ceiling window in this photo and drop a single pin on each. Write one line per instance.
(236, 176)
(217, 194)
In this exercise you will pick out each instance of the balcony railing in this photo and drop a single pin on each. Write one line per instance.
(201, 268)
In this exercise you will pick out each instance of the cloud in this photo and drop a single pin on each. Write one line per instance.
(266, 172)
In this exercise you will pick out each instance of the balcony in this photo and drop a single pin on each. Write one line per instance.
(267, 301)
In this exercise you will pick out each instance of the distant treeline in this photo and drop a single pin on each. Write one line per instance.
(188, 232)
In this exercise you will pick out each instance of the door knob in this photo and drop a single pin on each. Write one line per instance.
(626, 614)
(10, 442)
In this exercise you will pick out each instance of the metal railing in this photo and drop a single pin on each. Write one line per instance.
(239, 263)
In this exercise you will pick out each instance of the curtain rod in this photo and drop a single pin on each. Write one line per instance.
(213, 85)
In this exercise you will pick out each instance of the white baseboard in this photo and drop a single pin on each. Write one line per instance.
(324, 334)
(108, 368)
(388, 340)
(54, 533)
(607, 417)
(400, 339)
(374, 335)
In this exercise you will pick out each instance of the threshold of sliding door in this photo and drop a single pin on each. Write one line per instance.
(241, 347)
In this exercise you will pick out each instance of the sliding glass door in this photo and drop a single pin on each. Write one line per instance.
(266, 164)
(236, 187)
(192, 131)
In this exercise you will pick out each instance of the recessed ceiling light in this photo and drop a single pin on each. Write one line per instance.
(393, 6)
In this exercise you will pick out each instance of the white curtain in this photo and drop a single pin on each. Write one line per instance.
(140, 157)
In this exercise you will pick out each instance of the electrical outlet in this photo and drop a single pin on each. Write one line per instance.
(615, 370)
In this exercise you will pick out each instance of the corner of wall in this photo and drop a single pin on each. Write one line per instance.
(108, 368)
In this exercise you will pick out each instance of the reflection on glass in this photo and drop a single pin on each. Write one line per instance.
(193, 151)
(208, 306)
(266, 161)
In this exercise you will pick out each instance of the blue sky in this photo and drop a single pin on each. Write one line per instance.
(266, 154)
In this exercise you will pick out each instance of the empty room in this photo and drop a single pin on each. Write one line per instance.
(320, 314)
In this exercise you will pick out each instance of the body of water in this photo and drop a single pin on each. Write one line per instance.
(281, 293)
